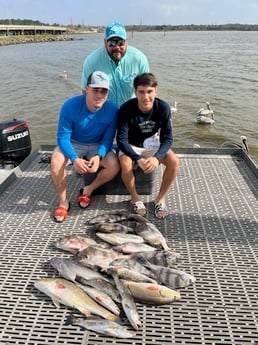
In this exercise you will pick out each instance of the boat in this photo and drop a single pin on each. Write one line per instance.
(212, 225)
(15, 146)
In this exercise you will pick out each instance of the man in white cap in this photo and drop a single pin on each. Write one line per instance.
(120, 61)
(86, 130)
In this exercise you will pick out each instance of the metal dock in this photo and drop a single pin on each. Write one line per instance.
(213, 225)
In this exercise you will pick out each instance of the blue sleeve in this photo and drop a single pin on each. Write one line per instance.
(166, 133)
(64, 132)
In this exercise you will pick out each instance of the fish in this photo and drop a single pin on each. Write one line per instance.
(128, 302)
(132, 264)
(62, 291)
(101, 326)
(72, 270)
(170, 277)
(129, 248)
(119, 238)
(154, 294)
(96, 256)
(74, 243)
(106, 287)
(101, 298)
(129, 274)
(112, 227)
(108, 217)
(149, 232)
(159, 257)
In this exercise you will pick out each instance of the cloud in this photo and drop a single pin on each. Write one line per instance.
(253, 5)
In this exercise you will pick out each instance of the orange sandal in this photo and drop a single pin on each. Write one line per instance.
(85, 198)
(61, 211)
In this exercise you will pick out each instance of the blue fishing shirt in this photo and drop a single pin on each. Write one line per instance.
(78, 123)
(121, 76)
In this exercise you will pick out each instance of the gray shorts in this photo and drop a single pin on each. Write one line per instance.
(85, 150)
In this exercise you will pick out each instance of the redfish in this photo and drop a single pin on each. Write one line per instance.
(62, 291)
(154, 294)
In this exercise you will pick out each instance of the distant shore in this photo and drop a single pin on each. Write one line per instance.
(22, 39)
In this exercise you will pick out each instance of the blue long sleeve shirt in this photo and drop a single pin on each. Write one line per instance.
(121, 76)
(134, 127)
(78, 123)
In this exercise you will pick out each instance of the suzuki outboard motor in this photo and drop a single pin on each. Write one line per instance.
(15, 142)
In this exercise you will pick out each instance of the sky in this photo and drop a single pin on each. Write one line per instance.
(132, 12)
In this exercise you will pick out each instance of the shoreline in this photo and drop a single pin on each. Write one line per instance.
(23, 39)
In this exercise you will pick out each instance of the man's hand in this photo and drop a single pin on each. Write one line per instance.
(148, 165)
(83, 166)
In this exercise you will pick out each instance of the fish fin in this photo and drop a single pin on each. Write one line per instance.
(68, 274)
(56, 302)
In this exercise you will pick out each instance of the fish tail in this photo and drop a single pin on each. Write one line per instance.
(113, 317)
(71, 320)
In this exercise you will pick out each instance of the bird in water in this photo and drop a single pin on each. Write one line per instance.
(174, 108)
(205, 116)
(63, 75)
(234, 145)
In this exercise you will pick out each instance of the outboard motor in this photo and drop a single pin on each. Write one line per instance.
(15, 142)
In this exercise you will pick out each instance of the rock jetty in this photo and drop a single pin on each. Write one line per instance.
(22, 39)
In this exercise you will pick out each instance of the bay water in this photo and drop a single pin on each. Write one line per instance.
(192, 68)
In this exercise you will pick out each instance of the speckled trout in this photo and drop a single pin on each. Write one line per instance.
(62, 291)
(102, 326)
(128, 303)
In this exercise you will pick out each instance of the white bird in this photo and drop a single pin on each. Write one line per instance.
(205, 116)
(234, 145)
(174, 108)
(64, 75)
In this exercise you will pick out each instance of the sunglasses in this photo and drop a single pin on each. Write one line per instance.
(113, 43)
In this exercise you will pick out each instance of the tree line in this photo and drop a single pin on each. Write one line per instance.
(189, 27)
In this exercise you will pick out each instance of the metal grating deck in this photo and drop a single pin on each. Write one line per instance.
(213, 225)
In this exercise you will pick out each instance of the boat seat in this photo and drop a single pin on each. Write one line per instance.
(144, 183)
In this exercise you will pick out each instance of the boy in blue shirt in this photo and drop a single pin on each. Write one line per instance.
(86, 129)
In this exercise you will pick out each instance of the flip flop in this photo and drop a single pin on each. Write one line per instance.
(85, 198)
(161, 207)
(61, 211)
(139, 206)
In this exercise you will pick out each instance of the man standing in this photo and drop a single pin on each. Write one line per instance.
(144, 138)
(120, 61)
(86, 129)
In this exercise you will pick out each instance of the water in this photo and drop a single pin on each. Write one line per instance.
(192, 68)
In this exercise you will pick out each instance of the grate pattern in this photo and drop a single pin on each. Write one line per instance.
(213, 225)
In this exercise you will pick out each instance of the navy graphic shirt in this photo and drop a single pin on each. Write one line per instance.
(134, 127)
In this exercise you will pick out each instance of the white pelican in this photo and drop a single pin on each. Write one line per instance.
(63, 75)
(205, 116)
(234, 145)
(174, 108)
